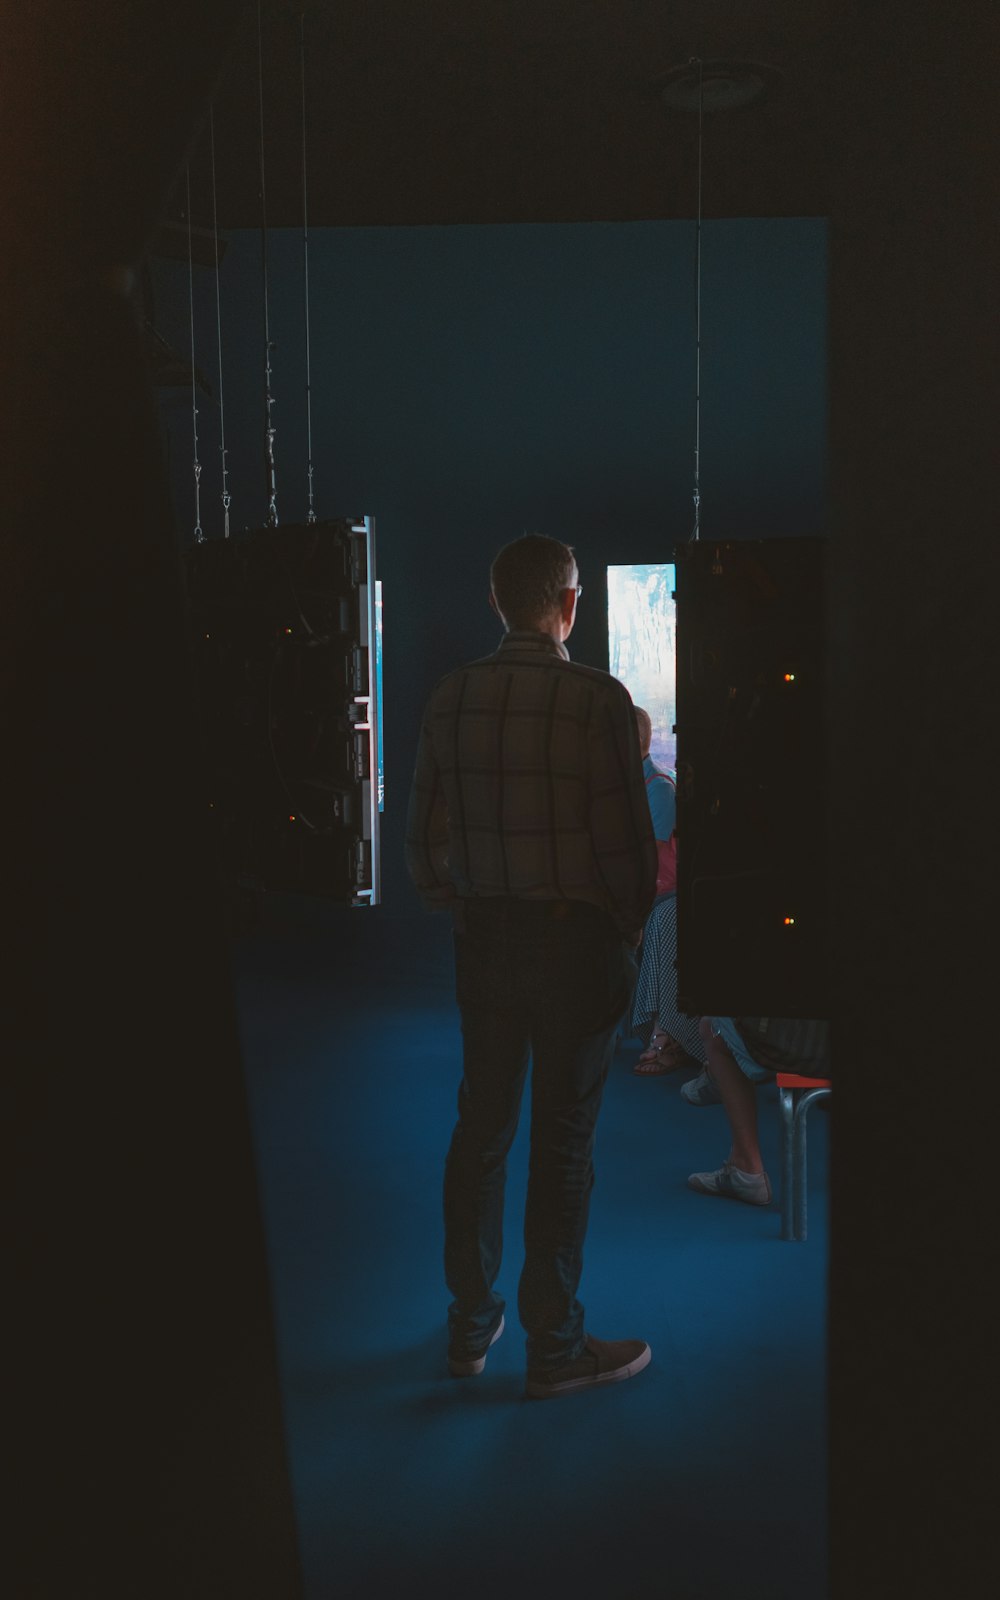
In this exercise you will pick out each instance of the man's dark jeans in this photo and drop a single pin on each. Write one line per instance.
(551, 979)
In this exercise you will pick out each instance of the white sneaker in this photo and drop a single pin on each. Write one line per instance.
(701, 1091)
(754, 1188)
(472, 1366)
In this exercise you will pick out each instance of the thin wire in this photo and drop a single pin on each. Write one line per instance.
(272, 488)
(226, 497)
(696, 531)
(198, 533)
(311, 514)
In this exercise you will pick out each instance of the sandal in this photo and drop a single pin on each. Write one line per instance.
(664, 1054)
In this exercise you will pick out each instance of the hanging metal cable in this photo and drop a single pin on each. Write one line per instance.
(310, 514)
(271, 480)
(226, 497)
(696, 531)
(198, 533)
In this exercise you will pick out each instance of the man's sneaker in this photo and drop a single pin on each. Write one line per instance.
(752, 1187)
(600, 1361)
(470, 1368)
(701, 1091)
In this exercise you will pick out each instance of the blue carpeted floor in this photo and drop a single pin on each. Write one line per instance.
(703, 1477)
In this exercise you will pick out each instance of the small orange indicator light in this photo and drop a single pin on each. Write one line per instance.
(291, 819)
(789, 922)
(789, 677)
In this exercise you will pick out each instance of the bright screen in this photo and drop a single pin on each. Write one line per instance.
(642, 647)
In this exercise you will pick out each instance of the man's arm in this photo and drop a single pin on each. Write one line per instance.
(427, 829)
(620, 825)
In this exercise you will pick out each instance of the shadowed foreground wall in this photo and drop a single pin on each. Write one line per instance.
(913, 342)
(151, 1460)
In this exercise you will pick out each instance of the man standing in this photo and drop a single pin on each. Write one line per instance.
(528, 819)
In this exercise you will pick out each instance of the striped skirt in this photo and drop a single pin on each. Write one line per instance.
(655, 1003)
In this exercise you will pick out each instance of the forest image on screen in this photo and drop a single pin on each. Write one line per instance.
(642, 645)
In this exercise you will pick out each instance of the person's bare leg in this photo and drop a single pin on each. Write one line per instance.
(739, 1101)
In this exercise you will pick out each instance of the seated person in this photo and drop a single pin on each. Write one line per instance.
(674, 1040)
(742, 1052)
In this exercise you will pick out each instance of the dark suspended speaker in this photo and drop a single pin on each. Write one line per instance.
(286, 626)
(752, 909)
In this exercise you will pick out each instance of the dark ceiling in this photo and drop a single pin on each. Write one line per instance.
(471, 111)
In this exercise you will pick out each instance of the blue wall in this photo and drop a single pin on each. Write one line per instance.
(472, 383)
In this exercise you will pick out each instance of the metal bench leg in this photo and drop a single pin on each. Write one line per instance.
(800, 1165)
(786, 1109)
(799, 1220)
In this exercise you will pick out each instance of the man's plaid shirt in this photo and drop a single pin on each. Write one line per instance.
(529, 783)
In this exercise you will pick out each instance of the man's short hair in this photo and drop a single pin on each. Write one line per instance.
(528, 576)
(644, 727)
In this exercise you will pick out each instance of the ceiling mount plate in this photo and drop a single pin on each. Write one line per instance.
(724, 85)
